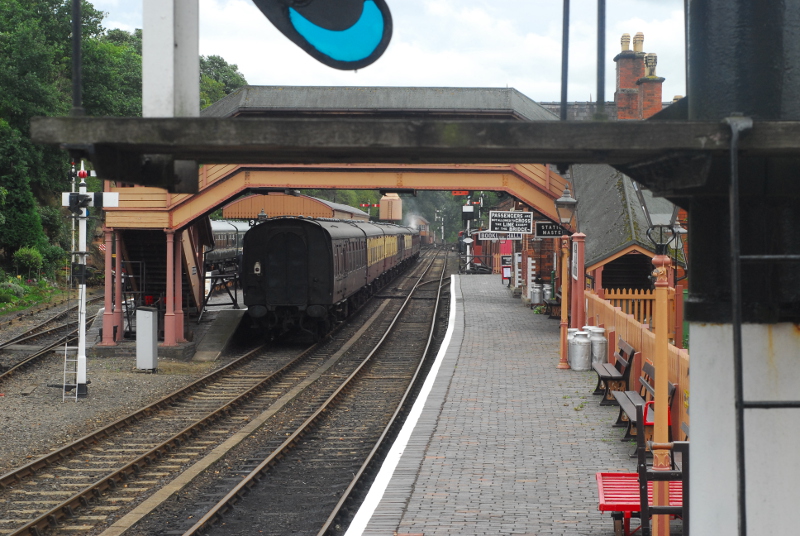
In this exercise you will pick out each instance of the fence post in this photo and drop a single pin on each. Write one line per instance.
(661, 461)
(562, 363)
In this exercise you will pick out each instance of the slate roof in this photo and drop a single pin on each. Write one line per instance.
(609, 213)
(498, 103)
(340, 207)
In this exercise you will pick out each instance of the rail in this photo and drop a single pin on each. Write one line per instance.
(216, 512)
(395, 420)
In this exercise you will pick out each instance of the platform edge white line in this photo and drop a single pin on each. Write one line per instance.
(381, 482)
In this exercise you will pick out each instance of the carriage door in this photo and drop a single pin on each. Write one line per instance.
(287, 270)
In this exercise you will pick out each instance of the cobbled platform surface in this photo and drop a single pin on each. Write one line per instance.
(506, 443)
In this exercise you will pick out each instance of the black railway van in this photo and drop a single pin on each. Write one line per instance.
(302, 273)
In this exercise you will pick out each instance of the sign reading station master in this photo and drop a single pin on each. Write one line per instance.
(548, 229)
(510, 222)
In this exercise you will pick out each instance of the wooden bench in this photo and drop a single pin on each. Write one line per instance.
(614, 377)
(628, 495)
(645, 396)
(552, 308)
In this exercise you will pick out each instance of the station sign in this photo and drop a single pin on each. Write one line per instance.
(575, 261)
(488, 235)
(505, 260)
(511, 221)
(548, 229)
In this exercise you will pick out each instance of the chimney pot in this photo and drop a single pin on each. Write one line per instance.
(650, 61)
(626, 42)
(638, 42)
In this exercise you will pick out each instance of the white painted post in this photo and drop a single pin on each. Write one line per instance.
(771, 371)
(170, 58)
(81, 376)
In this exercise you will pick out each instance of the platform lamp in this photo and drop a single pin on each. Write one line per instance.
(661, 220)
(681, 246)
(565, 208)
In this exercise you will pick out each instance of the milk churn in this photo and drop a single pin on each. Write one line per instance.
(599, 345)
(548, 292)
(536, 294)
(570, 335)
(581, 352)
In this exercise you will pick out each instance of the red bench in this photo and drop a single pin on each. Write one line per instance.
(623, 494)
(619, 494)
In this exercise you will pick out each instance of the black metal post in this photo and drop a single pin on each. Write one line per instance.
(564, 60)
(742, 57)
(601, 60)
(77, 82)
(738, 124)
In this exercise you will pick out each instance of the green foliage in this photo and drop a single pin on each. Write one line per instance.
(35, 80)
(3, 194)
(28, 259)
(53, 257)
(9, 287)
(210, 91)
(6, 297)
(22, 226)
(116, 74)
(52, 220)
(218, 78)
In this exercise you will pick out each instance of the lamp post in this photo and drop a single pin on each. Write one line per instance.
(565, 208)
(661, 236)
(680, 246)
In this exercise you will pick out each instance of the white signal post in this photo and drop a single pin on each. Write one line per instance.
(81, 377)
(78, 204)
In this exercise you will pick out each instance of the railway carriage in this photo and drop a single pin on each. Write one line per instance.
(305, 273)
(226, 253)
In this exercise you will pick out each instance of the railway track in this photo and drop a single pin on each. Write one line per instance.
(38, 340)
(54, 338)
(92, 482)
(31, 314)
(305, 476)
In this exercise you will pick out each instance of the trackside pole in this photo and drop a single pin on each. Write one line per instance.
(82, 390)
(78, 204)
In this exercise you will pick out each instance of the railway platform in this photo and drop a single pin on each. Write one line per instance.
(500, 441)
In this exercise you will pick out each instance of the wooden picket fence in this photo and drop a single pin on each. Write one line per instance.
(641, 304)
(620, 324)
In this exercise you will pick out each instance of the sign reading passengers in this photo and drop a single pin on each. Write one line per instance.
(510, 222)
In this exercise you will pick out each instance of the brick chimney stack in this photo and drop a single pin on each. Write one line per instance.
(638, 94)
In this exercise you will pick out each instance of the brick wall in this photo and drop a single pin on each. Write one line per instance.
(638, 93)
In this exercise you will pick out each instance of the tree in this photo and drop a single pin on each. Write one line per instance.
(218, 78)
(35, 80)
(112, 67)
(22, 226)
(28, 259)
(3, 194)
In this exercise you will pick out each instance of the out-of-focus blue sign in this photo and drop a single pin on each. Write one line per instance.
(343, 34)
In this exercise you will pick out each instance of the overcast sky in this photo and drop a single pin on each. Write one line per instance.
(458, 43)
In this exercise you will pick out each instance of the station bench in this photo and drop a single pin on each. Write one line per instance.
(613, 377)
(552, 308)
(628, 495)
(645, 396)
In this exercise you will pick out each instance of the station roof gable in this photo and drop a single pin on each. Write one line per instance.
(302, 101)
(609, 212)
